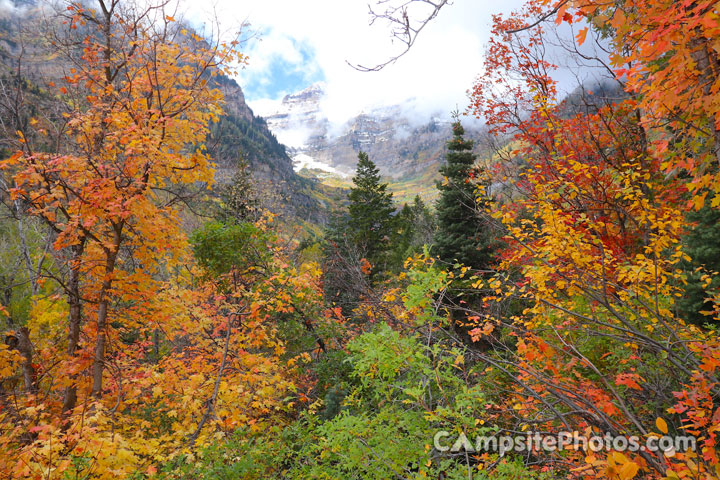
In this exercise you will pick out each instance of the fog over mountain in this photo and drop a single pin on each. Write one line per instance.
(402, 141)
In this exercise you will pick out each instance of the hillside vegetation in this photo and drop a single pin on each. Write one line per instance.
(177, 303)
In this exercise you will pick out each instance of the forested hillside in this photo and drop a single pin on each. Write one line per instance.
(242, 140)
(554, 314)
(239, 140)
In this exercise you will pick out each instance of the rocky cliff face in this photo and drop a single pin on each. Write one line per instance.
(299, 108)
(401, 143)
(238, 137)
(241, 136)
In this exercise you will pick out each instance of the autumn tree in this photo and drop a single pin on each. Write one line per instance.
(138, 102)
(668, 51)
(595, 228)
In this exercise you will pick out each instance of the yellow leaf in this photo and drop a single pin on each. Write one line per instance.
(661, 425)
(699, 201)
(628, 471)
(618, 458)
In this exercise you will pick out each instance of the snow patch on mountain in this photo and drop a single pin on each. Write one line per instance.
(402, 141)
(302, 161)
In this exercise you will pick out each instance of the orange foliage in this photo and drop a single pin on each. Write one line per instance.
(594, 224)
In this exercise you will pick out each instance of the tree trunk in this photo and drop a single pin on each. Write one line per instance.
(708, 65)
(25, 348)
(74, 322)
(103, 303)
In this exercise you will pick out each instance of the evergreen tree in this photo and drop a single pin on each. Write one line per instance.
(343, 281)
(358, 235)
(414, 228)
(424, 224)
(370, 220)
(702, 243)
(462, 235)
(238, 199)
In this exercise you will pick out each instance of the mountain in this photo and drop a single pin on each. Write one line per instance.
(300, 124)
(407, 147)
(239, 137)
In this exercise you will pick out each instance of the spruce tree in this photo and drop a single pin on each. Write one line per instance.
(462, 236)
(424, 222)
(239, 200)
(370, 222)
(364, 231)
(702, 243)
(414, 228)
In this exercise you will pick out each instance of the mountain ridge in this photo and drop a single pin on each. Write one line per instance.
(239, 136)
(408, 147)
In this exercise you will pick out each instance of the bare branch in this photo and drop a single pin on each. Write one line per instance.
(402, 25)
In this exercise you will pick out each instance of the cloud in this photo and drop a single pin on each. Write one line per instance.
(315, 39)
(295, 136)
(278, 64)
(9, 7)
(265, 106)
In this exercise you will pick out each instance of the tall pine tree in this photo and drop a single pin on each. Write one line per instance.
(239, 201)
(360, 235)
(370, 222)
(702, 243)
(462, 235)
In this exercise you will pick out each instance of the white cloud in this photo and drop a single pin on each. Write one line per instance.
(265, 106)
(295, 136)
(436, 73)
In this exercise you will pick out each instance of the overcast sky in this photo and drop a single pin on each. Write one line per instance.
(303, 42)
